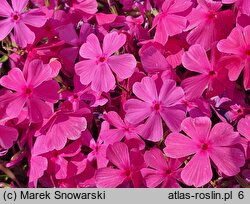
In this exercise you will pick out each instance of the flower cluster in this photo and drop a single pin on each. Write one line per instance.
(122, 93)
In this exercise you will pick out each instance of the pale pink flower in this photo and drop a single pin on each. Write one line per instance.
(128, 163)
(18, 18)
(99, 64)
(213, 78)
(171, 20)
(31, 91)
(208, 24)
(155, 106)
(238, 45)
(205, 144)
(163, 172)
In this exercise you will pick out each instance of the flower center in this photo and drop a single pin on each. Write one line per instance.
(127, 173)
(75, 96)
(15, 16)
(212, 15)
(248, 52)
(28, 91)
(204, 146)
(102, 59)
(168, 172)
(212, 73)
(156, 106)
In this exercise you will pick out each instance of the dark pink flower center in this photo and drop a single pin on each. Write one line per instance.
(204, 146)
(156, 107)
(212, 15)
(248, 52)
(102, 59)
(168, 171)
(212, 73)
(15, 16)
(128, 173)
(28, 91)
(75, 96)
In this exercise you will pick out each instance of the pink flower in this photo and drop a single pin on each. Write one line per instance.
(171, 20)
(209, 24)
(8, 136)
(163, 171)
(238, 45)
(244, 127)
(61, 127)
(205, 144)
(96, 69)
(155, 106)
(122, 129)
(17, 18)
(128, 168)
(31, 91)
(243, 5)
(212, 77)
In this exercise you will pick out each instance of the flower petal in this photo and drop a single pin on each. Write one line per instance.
(123, 65)
(146, 90)
(136, 111)
(155, 159)
(198, 171)
(109, 178)
(104, 79)
(118, 154)
(5, 26)
(23, 35)
(179, 145)
(197, 128)
(86, 70)
(34, 18)
(5, 9)
(233, 159)
(118, 40)
(19, 5)
(8, 136)
(91, 49)
(14, 80)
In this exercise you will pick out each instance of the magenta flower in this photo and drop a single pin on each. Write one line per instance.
(238, 45)
(8, 135)
(128, 168)
(18, 18)
(99, 64)
(163, 172)
(122, 129)
(155, 106)
(31, 91)
(212, 77)
(171, 20)
(244, 127)
(205, 143)
(209, 24)
(61, 127)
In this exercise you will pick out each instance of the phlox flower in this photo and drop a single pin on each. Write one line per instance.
(237, 45)
(155, 106)
(205, 144)
(17, 18)
(242, 5)
(128, 163)
(31, 91)
(161, 171)
(244, 127)
(172, 20)
(213, 78)
(121, 129)
(99, 64)
(58, 129)
(208, 24)
(8, 135)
